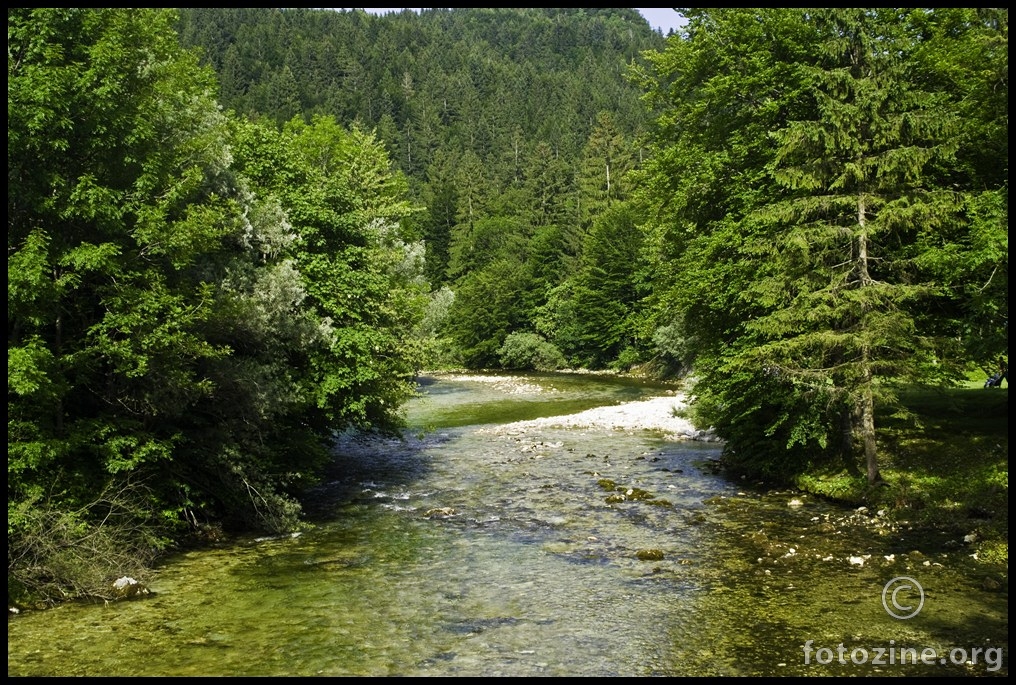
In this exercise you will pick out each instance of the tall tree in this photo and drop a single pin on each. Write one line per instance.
(842, 305)
(718, 92)
(361, 272)
(120, 214)
(194, 307)
(598, 322)
(965, 53)
(489, 304)
(549, 181)
(606, 159)
(441, 199)
(798, 272)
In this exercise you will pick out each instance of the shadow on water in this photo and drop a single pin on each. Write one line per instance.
(364, 463)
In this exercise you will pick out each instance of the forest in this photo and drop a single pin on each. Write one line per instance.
(235, 233)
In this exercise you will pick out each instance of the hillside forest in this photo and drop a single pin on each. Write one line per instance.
(234, 233)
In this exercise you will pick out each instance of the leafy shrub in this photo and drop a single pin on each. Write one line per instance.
(529, 351)
(628, 358)
(54, 553)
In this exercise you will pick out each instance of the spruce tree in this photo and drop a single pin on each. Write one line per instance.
(840, 308)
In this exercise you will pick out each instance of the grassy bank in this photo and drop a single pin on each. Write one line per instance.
(946, 468)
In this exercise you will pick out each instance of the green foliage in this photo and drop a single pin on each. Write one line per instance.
(513, 128)
(529, 351)
(774, 429)
(440, 196)
(477, 244)
(606, 160)
(195, 303)
(54, 553)
(491, 84)
(489, 304)
(599, 318)
(436, 349)
(114, 143)
(626, 359)
(672, 347)
(802, 275)
(357, 274)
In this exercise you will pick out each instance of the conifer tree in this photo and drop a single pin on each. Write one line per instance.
(796, 192)
(840, 306)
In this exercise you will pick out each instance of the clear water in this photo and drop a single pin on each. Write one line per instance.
(460, 551)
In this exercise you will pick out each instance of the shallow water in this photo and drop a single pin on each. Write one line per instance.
(460, 551)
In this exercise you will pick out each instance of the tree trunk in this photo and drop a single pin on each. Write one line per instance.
(867, 401)
(868, 431)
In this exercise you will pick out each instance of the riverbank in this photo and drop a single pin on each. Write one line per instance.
(662, 415)
(562, 552)
(659, 414)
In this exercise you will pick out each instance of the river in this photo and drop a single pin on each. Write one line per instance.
(490, 543)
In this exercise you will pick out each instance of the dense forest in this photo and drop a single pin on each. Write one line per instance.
(233, 233)
(515, 129)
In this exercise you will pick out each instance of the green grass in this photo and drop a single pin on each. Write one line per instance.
(945, 461)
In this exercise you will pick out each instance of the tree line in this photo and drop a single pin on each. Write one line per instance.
(232, 233)
(515, 128)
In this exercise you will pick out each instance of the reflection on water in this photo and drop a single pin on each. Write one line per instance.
(557, 552)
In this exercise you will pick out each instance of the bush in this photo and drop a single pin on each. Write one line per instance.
(673, 347)
(628, 358)
(529, 351)
(55, 554)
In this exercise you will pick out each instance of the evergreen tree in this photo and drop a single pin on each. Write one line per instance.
(606, 159)
(799, 279)
(489, 305)
(598, 323)
(841, 306)
(440, 196)
(549, 182)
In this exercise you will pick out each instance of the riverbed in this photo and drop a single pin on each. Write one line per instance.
(543, 525)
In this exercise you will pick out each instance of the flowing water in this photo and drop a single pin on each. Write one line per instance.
(477, 548)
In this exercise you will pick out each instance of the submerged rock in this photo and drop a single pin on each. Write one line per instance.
(439, 511)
